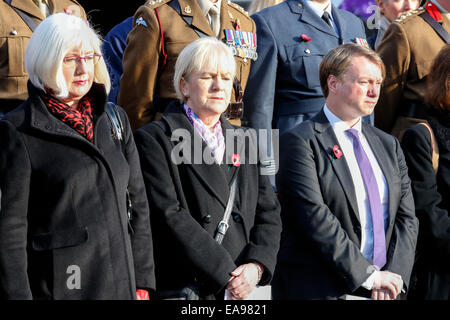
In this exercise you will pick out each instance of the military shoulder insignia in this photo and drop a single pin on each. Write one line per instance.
(411, 13)
(141, 21)
(237, 7)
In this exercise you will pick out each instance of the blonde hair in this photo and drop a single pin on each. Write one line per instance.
(338, 60)
(258, 5)
(49, 44)
(203, 53)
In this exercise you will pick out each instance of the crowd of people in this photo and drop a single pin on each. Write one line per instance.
(202, 153)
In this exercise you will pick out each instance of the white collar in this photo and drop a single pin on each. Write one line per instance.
(339, 125)
(205, 5)
(319, 8)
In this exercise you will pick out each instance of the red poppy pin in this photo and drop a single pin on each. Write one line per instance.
(236, 160)
(305, 38)
(337, 152)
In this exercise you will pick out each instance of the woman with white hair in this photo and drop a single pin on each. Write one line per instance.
(215, 217)
(66, 231)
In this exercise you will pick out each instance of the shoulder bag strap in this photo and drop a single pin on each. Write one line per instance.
(436, 26)
(25, 17)
(434, 147)
(117, 128)
(223, 225)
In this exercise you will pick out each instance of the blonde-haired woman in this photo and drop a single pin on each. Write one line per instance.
(258, 5)
(66, 231)
(189, 182)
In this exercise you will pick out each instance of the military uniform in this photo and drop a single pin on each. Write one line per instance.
(408, 49)
(14, 36)
(148, 73)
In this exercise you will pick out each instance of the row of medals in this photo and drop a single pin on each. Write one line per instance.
(242, 43)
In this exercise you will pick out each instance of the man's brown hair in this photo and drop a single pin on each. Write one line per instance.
(339, 59)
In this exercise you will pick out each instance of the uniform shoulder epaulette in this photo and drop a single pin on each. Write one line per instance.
(237, 7)
(156, 3)
(410, 13)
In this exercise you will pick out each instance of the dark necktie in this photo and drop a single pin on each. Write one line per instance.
(376, 210)
(326, 18)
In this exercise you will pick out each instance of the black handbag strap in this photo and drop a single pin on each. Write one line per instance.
(25, 17)
(222, 227)
(117, 130)
(436, 26)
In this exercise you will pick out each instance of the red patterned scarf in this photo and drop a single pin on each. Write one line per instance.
(79, 119)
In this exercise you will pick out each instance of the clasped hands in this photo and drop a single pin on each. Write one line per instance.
(244, 279)
(386, 286)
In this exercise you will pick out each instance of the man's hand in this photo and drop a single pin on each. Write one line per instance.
(386, 286)
(243, 281)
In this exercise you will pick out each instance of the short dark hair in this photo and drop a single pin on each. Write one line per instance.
(438, 93)
(337, 61)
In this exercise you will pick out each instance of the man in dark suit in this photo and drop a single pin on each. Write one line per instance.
(283, 88)
(348, 213)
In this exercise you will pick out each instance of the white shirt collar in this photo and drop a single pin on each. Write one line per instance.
(338, 124)
(205, 5)
(319, 8)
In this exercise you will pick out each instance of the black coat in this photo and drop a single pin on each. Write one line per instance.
(63, 208)
(187, 202)
(431, 195)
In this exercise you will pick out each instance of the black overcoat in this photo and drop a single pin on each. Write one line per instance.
(187, 202)
(64, 230)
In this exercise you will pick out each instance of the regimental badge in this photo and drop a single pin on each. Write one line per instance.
(141, 21)
(188, 9)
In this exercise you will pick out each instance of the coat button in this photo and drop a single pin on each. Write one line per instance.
(237, 218)
(207, 218)
(307, 51)
(13, 32)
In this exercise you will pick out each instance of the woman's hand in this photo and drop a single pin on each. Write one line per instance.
(243, 281)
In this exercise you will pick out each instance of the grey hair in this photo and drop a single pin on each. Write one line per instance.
(49, 44)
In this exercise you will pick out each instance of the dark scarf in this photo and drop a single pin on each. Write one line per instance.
(440, 122)
(79, 119)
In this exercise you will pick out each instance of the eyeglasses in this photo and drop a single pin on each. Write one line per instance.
(73, 61)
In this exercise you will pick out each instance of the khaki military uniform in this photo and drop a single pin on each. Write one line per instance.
(408, 49)
(144, 71)
(14, 37)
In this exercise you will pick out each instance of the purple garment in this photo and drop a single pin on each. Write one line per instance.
(214, 139)
(358, 7)
(376, 209)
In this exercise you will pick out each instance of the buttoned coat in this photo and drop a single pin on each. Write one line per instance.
(283, 86)
(320, 254)
(408, 49)
(188, 201)
(146, 75)
(14, 37)
(64, 230)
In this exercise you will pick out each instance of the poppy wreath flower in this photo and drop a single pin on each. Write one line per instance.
(236, 160)
(337, 152)
(305, 38)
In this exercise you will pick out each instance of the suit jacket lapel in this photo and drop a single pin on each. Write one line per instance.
(310, 17)
(328, 139)
(381, 156)
(196, 18)
(29, 7)
(210, 175)
(237, 148)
